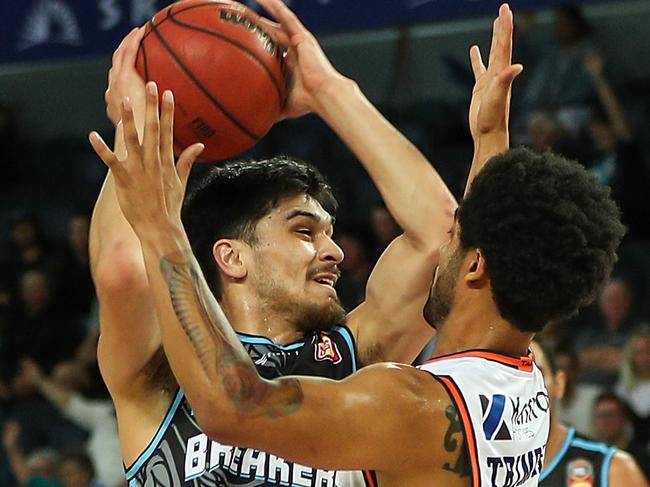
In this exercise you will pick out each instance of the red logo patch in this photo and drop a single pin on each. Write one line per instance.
(326, 349)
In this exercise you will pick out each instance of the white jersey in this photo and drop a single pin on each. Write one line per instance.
(504, 407)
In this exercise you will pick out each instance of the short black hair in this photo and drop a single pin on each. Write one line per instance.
(620, 402)
(232, 197)
(81, 458)
(548, 231)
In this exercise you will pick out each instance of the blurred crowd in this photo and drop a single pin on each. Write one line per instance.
(56, 420)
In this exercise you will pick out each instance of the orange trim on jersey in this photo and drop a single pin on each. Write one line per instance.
(370, 478)
(521, 363)
(467, 426)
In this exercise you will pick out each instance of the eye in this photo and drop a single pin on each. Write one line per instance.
(305, 231)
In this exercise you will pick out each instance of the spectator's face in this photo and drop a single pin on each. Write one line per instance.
(566, 363)
(602, 135)
(641, 356)
(609, 421)
(355, 255)
(78, 231)
(23, 234)
(615, 303)
(542, 134)
(384, 225)
(72, 474)
(34, 289)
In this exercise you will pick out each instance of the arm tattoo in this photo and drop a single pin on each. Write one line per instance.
(462, 467)
(220, 353)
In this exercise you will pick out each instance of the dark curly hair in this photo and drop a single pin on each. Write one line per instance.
(231, 198)
(548, 231)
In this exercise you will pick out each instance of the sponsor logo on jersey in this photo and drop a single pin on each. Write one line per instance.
(510, 471)
(580, 473)
(494, 426)
(327, 349)
(203, 455)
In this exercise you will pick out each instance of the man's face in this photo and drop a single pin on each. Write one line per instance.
(295, 263)
(609, 421)
(441, 296)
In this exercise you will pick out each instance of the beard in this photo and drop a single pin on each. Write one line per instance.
(306, 315)
(441, 297)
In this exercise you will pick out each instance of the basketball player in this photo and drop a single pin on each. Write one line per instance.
(572, 459)
(277, 288)
(532, 241)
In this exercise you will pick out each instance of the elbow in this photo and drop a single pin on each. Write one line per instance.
(119, 270)
(221, 426)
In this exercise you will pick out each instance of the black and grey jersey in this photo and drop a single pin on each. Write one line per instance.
(579, 462)
(180, 454)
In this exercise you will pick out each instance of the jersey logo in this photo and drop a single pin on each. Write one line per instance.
(580, 473)
(494, 426)
(327, 349)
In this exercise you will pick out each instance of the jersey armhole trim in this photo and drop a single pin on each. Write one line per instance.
(345, 332)
(470, 437)
(607, 461)
(155, 441)
(546, 471)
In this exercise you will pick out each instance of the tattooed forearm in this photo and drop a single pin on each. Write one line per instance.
(452, 436)
(217, 348)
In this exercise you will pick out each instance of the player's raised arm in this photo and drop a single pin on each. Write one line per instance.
(389, 324)
(230, 400)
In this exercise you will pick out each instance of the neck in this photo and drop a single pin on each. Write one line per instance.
(477, 324)
(556, 438)
(248, 314)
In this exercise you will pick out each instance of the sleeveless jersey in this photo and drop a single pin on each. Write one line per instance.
(579, 462)
(504, 408)
(180, 454)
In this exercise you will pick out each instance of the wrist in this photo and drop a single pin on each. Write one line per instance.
(164, 239)
(333, 91)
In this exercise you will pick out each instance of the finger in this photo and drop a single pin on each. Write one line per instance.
(493, 43)
(101, 149)
(167, 129)
(186, 161)
(478, 68)
(151, 139)
(275, 30)
(132, 46)
(290, 23)
(508, 75)
(131, 139)
(504, 57)
(117, 54)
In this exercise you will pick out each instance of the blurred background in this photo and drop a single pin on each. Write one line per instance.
(585, 93)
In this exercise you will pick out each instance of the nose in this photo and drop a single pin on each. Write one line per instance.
(330, 251)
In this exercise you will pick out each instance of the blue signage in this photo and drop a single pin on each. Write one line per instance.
(32, 30)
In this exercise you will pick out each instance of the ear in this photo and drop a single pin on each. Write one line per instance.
(477, 274)
(559, 384)
(228, 256)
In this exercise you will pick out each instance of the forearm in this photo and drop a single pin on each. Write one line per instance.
(19, 465)
(109, 230)
(613, 107)
(487, 146)
(404, 177)
(56, 394)
(205, 354)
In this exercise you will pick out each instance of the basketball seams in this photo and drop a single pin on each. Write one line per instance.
(200, 86)
(169, 12)
(248, 51)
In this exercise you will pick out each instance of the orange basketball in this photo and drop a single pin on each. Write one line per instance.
(225, 70)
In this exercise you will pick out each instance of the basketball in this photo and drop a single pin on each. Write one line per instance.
(225, 70)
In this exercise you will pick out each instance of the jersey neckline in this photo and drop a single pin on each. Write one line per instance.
(524, 363)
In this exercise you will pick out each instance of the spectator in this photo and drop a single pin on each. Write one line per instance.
(384, 226)
(601, 343)
(76, 470)
(578, 401)
(76, 287)
(559, 79)
(96, 416)
(613, 424)
(36, 471)
(634, 379)
(355, 268)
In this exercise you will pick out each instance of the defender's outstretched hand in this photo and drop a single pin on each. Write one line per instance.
(149, 187)
(308, 65)
(490, 103)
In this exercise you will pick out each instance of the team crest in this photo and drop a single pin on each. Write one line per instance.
(580, 473)
(326, 349)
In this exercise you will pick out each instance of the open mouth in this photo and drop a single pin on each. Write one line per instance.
(326, 279)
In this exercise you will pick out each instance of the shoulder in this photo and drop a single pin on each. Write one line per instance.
(624, 470)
